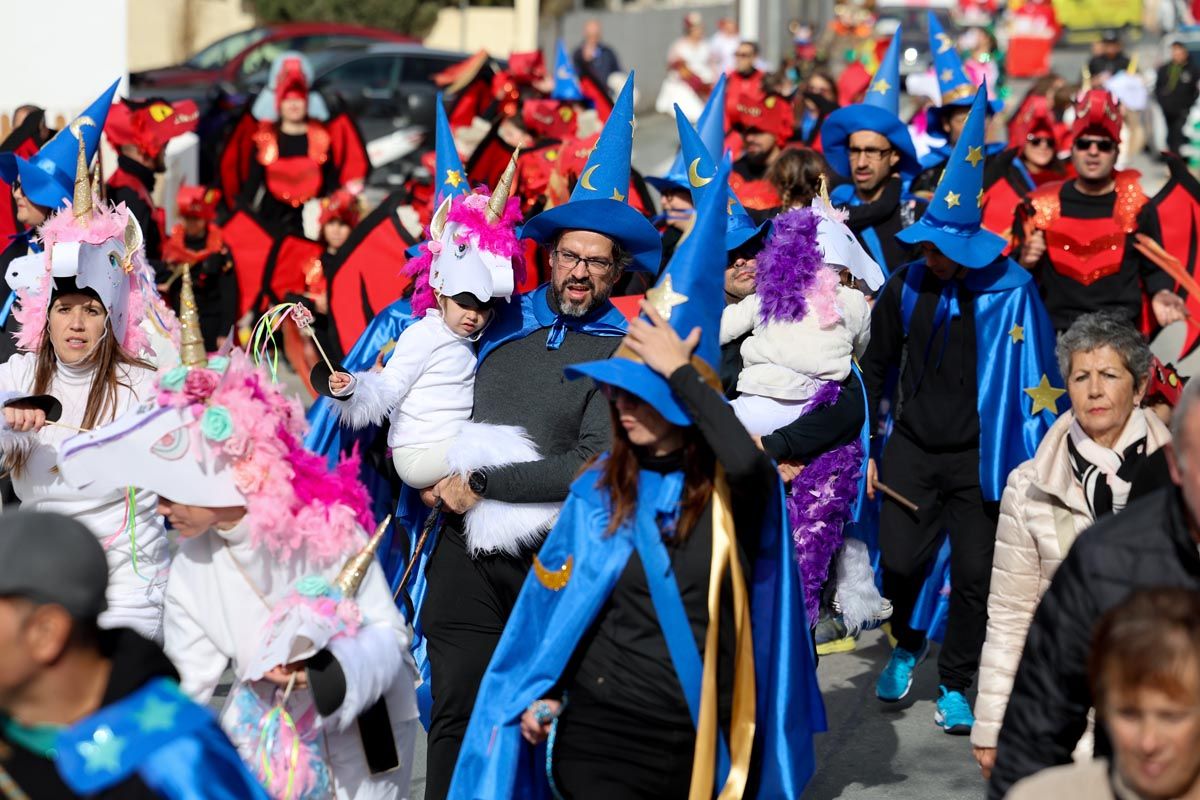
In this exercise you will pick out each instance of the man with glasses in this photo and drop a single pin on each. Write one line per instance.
(1077, 236)
(744, 80)
(1031, 161)
(591, 241)
(869, 144)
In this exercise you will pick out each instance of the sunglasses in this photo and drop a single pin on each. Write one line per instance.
(1040, 141)
(1102, 145)
(613, 393)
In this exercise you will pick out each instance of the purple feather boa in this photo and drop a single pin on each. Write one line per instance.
(819, 509)
(788, 267)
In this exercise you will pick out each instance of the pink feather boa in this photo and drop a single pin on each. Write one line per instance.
(470, 212)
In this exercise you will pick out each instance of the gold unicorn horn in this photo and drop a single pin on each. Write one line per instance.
(823, 191)
(499, 200)
(191, 342)
(352, 574)
(81, 204)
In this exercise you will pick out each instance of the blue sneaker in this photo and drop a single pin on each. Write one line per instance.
(953, 713)
(897, 677)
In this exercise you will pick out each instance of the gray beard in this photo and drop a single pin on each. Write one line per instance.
(569, 309)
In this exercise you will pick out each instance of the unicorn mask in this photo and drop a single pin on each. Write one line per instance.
(840, 246)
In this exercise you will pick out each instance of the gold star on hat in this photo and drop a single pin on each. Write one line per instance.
(947, 75)
(881, 86)
(1018, 335)
(952, 199)
(1045, 397)
(974, 155)
(454, 178)
(620, 198)
(663, 298)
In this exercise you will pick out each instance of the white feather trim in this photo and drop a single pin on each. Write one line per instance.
(369, 404)
(14, 443)
(372, 661)
(492, 525)
(857, 598)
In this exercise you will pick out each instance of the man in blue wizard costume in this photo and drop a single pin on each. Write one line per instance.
(85, 712)
(977, 390)
(870, 145)
(467, 599)
(611, 657)
(42, 184)
(675, 187)
(948, 119)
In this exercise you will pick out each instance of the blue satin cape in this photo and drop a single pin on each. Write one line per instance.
(546, 627)
(157, 733)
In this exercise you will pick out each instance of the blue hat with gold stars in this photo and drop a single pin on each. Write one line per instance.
(451, 178)
(740, 228)
(879, 112)
(711, 125)
(951, 222)
(956, 88)
(566, 80)
(598, 202)
(48, 176)
(689, 294)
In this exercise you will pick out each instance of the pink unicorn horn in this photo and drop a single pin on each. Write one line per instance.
(499, 199)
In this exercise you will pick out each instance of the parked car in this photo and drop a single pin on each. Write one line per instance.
(227, 63)
(914, 35)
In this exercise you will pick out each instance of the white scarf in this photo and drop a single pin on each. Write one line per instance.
(1099, 461)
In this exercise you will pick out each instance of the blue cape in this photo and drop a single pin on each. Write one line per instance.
(546, 627)
(157, 733)
(1005, 296)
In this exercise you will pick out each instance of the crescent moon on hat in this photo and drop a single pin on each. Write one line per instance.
(585, 180)
(79, 123)
(694, 176)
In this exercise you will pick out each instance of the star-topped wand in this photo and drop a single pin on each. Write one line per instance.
(304, 320)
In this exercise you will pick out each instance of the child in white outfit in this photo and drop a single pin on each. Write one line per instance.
(426, 390)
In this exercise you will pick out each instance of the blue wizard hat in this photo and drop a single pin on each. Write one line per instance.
(566, 80)
(690, 293)
(598, 202)
(951, 221)
(711, 125)
(48, 177)
(879, 112)
(451, 178)
(955, 87)
(740, 228)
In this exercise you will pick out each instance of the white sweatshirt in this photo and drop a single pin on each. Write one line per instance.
(135, 590)
(426, 390)
(787, 360)
(219, 597)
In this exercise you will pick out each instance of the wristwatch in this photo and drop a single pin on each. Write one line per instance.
(477, 482)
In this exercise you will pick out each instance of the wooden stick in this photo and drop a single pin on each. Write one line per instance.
(899, 498)
(65, 425)
(434, 514)
(313, 335)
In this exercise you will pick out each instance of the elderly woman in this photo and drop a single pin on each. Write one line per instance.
(1082, 470)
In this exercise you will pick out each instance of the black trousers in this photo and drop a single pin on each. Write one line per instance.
(601, 753)
(466, 606)
(1175, 137)
(945, 487)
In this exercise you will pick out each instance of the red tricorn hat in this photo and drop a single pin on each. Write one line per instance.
(771, 114)
(341, 205)
(1165, 385)
(198, 201)
(1097, 113)
(150, 124)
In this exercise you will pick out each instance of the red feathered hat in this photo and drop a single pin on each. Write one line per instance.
(1035, 116)
(198, 201)
(341, 205)
(150, 124)
(1164, 384)
(1097, 113)
(551, 118)
(771, 114)
(291, 81)
(527, 67)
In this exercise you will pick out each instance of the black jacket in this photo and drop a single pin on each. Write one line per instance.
(1148, 545)
(1175, 88)
(135, 662)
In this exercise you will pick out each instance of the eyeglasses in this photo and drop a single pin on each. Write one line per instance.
(1040, 141)
(1102, 145)
(569, 261)
(871, 153)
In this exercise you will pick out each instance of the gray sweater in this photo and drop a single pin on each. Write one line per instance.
(522, 383)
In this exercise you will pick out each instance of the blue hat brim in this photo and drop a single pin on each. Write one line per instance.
(613, 218)
(668, 183)
(933, 114)
(38, 186)
(736, 237)
(837, 127)
(972, 249)
(638, 380)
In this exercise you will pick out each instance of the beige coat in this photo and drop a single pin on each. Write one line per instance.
(1042, 511)
(1090, 779)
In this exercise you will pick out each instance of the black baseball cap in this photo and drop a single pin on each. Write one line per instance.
(51, 558)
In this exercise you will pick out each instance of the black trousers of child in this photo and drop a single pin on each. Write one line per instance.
(945, 487)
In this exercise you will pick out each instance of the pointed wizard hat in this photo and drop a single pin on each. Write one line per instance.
(711, 125)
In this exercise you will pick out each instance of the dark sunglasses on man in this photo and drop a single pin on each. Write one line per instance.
(1102, 145)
